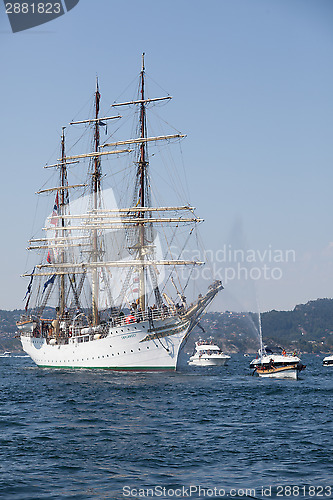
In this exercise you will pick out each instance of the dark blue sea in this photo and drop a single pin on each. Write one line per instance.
(196, 433)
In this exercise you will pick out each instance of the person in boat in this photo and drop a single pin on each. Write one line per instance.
(271, 363)
(164, 310)
(55, 326)
(140, 317)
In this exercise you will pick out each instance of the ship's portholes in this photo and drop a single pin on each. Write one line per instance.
(131, 350)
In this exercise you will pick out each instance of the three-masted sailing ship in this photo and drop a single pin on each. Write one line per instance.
(92, 251)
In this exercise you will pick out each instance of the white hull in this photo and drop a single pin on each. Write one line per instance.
(291, 374)
(209, 361)
(130, 347)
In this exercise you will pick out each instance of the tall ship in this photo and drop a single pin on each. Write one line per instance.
(107, 291)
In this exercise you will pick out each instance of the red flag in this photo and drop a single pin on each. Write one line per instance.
(49, 257)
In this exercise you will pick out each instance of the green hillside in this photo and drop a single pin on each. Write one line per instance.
(308, 328)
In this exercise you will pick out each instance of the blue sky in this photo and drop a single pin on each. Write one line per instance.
(252, 85)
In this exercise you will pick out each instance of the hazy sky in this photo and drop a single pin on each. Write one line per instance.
(252, 84)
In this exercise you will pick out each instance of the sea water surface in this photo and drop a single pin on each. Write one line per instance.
(195, 433)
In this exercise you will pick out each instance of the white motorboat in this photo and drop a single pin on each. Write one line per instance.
(5, 354)
(328, 361)
(208, 354)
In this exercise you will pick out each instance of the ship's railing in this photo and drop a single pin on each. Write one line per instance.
(150, 314)
(79, 330)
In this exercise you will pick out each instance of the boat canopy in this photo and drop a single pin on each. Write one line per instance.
(206, 347)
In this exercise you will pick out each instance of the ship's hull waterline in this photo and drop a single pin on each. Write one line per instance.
(133, 347)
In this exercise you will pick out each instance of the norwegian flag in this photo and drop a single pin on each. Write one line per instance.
(49, 257)
(54, 221)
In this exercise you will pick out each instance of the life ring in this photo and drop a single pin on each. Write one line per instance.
(130, 319)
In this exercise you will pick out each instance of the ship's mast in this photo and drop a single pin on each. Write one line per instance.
(63, 182)
(96, 186)
(142, 171)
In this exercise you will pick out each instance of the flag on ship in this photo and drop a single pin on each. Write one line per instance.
(49, 282)
(49, 257)
(30, 283)
(54, 219)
